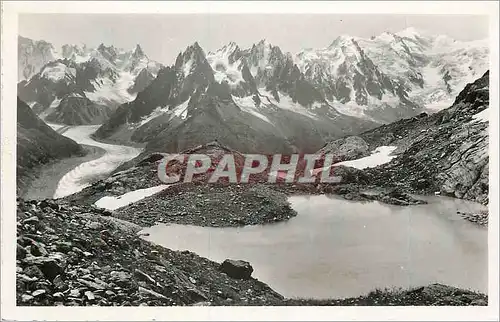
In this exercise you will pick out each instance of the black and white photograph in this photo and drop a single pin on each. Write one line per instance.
(249, 159)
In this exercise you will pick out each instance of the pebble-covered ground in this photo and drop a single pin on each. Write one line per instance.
(210, 205)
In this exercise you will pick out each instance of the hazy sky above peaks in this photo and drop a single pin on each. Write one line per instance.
(163, 36)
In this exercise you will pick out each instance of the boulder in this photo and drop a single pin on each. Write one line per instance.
(50, 266)
(236, 269)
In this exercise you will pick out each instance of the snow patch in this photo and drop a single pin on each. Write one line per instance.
(55, 103)
(350, 109)
(112, 203)
(180, 111)
(187, 67)
(56, 127)
(247, 104)
(483, 116)
(285, 103)
(160, 110)
(107, 91)
(58, 72)
(379, 156)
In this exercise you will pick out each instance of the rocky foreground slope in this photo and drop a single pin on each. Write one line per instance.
(77, 255)
(38, 144)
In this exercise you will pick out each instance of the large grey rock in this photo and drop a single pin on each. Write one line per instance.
(348, 148)
(51, 266)
(237, 268)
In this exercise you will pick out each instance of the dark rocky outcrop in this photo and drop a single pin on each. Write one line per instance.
(430, 295)
(236, 269)
(79, 110)
(348, 148)
(143, 79)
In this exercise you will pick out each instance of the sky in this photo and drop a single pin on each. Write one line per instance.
(163, 36)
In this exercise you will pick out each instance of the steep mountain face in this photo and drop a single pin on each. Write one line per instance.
(106, 77)
(32, 56)
(446, 152)
(38, 144)
(77, 110)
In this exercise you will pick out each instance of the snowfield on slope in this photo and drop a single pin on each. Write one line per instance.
(379, 156)
(247, 104)
(112, 203)
(180, 111)
(84, 174)
(107, 91)
(483, 116)
(58, 72)
(285, 103)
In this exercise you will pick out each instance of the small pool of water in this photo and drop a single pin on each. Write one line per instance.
(338, 248)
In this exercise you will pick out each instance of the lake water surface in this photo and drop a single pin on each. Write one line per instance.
(339, 248)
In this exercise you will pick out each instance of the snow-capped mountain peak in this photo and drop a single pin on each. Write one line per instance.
(99, 78)
(386, 37)
(57, 71)
(383, 78)
(108, 52)
(192, 60)
(138, 52)
(227, 64)
(71, 51)
(341, 41)
(412, 33)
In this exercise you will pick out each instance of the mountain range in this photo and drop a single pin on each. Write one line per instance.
(257, 99)
(80, 85)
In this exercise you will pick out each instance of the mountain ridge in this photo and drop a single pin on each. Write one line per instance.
(105, 76)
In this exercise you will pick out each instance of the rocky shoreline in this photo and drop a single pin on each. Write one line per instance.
(479, 218)
(71, 255)
(431, 295)
(210, 205)
(74, 255)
